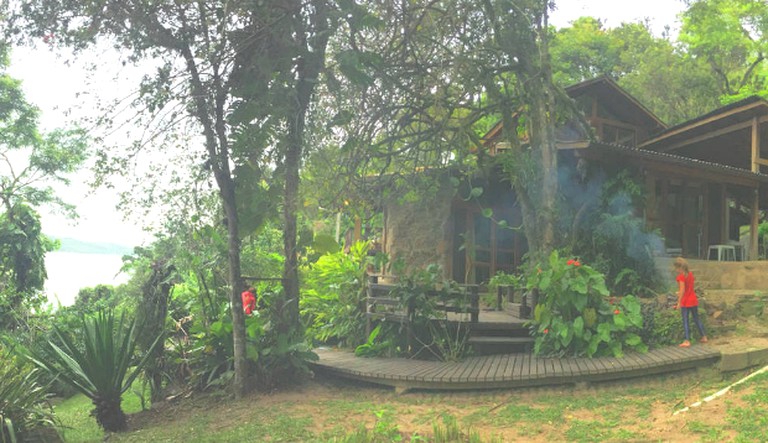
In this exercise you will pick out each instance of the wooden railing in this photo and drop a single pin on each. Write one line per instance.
(527, 299)
(383, 305)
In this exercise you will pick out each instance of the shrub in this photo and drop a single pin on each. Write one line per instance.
(274, 356)
(333, 301)
(23, 401)
(98, 366)
(663, 326)
(575, 316)
(421, 291)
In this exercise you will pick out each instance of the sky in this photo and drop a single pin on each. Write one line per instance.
(58, 85)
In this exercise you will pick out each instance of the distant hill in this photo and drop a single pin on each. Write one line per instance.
(84, 247)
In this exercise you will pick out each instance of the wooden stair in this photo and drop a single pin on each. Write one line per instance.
(500, 338)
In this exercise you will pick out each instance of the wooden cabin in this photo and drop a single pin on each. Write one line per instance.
(704, 179)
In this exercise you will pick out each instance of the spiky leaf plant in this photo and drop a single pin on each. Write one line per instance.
(98, 367)
(23, 401)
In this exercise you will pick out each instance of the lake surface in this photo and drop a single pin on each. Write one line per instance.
(68, 272)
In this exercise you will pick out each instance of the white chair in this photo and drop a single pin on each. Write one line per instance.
(740, 249)
(722, 253)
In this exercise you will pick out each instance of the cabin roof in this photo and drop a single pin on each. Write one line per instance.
(729, 118)
(611, 95)
(678, 160)
(623, 104)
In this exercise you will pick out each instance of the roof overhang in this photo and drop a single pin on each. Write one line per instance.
(678, 165)
(725, 120)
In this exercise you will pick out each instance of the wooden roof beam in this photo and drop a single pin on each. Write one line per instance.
(703, 122)
(713, 134)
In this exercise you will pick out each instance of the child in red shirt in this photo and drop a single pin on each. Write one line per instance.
(687, 301)
(249, 301)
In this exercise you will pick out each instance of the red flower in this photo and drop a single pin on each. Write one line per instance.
(546, 331)
(616, 312)
(573, 262)
(569, 262)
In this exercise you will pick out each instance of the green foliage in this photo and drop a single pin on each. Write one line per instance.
(651, 68)
(420, 292)
(732, 36)
(23, 400)
(575, 316)
(275, 356)
(98, 366)
(22, 264)
(449, 340)
(663, 325)
(372, 348)
(333, 297)
(207, 356)
(31, 163)
(501, 278)
(280, 355)
(97, 298)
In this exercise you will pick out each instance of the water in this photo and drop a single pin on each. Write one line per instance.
(68, 272)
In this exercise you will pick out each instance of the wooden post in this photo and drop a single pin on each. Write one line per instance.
(753, 225)
(755, 145)
(369, 309)
(358, 229)
(725, 215)
(474, 316)
(409, 314)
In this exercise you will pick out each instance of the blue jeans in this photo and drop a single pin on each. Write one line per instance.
(695, 311)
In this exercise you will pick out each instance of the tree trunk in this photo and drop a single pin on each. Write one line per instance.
(213, 120)
(227, 188)
(110, 415)
(154, 311)
(308, 69)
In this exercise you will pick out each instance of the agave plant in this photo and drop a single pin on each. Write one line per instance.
(98, 367)
(23, 401)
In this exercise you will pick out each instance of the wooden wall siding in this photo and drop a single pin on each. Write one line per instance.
(509, 370)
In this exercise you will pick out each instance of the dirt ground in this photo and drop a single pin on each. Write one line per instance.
(417, 411)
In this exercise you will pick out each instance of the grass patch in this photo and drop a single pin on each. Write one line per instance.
(318, 412)
(77, 423)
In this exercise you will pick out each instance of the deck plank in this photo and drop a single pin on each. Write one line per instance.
(508, 370)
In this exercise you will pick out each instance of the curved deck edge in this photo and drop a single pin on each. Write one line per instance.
(508, 370)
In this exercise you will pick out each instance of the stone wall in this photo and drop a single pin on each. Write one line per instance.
(419, 232)
(725, 275)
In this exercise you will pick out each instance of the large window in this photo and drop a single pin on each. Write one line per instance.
(482, 247)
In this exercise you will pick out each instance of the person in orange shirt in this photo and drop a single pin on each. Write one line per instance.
(249, 300)
(687, 301)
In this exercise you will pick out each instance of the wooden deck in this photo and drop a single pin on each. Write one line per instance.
(508, 370)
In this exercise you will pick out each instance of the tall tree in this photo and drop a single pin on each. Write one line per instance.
(732, 37)
(243, 70)
(31, 163)
(664, 77)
